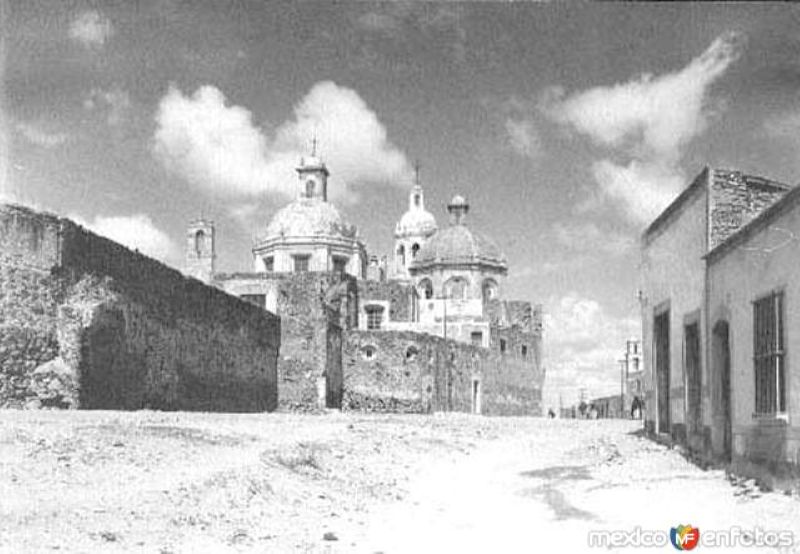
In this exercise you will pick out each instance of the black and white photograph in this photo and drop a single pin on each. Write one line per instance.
(381, 277)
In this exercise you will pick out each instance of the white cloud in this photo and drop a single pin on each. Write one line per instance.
(39, 137)
(114, 101)
(137, 232)
(643, 189)
(649, 121)
(583, 345)
(218, 147)
(91, 28)
(523, 137)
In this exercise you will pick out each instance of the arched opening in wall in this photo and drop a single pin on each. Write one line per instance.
(411, 353)
(374, 316)
(426, 286)
(414, 250)
(369, 352)
(401, 256)
(310, 188)
(417, 200)
(199, 242)
(456, 288)
(414, 305)
(489, 290)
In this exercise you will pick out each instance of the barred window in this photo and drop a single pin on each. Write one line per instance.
(769, 354)
(374, 317)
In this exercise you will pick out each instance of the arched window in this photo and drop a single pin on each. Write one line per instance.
(489, 290)
(199, 242)
(411, 353)
(456, 288)
(310, 188)
(374, 316)
(369, 352)
(401, 255)
(427, 288)
(414, 250)
(417, 200)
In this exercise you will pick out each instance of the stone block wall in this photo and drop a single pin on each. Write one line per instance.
(87, 323)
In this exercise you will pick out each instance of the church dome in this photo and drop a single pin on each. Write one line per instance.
(309, 218)
(416, 222)
(458, 245)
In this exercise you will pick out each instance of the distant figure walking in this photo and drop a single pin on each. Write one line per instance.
(551, 414)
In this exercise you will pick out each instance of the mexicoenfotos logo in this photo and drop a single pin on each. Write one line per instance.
(684, 537)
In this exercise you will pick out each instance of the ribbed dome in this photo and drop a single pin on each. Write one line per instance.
(457, 245)
(416, 222)
(308, 218)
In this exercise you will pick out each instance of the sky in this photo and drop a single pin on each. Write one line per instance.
(568, 127)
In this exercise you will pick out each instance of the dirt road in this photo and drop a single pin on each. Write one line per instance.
(178, 482)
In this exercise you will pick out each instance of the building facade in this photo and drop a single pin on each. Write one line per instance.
(718, 289)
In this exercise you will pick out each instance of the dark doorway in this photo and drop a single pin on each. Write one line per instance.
(694, 380)
(333, 367)
(722, 368)
(661, 348)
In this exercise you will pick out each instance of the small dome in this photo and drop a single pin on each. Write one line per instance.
(308, 218)
(458, 200)
(416, 222)
(458, 245)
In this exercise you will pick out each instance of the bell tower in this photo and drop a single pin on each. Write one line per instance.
(312, 175)
(200, 250)
(413, 230)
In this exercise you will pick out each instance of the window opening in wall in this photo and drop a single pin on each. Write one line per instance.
(369, 352)
(411, 353)
(476, 337)
(301, 263)
(269, 264)
(414, 250)
(339, 264)
(374, 317)
(427, 288)
(199, 242)
(769, 354)
(502, 346)
(524, 351)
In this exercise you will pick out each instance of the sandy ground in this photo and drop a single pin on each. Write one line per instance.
(182, 482)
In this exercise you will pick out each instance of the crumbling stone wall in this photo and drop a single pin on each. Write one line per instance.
(314, 308)
(87, 323)
(396, 293)
(408, 372)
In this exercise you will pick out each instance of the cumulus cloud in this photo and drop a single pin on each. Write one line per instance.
(523, 137)
(40, 137)
(217, 146)
(114, 102)
(648, 121)
(91, 28)
(584, 343)
(137, 232)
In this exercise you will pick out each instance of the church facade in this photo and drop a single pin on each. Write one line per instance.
(425, 329)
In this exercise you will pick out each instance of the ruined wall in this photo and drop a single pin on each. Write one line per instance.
(404, 371)
(407, 372)
(314, 307)
(87, 323)
(398, 295)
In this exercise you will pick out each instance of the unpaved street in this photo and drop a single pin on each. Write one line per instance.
(179, 482)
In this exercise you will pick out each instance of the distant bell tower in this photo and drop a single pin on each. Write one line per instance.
(413, 230)
(200, 250)
(312, 177)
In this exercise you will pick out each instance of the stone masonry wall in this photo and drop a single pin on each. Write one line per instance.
(312, 307)
(735, 199)
(404, 371)
(85, 322)
(398, 295)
